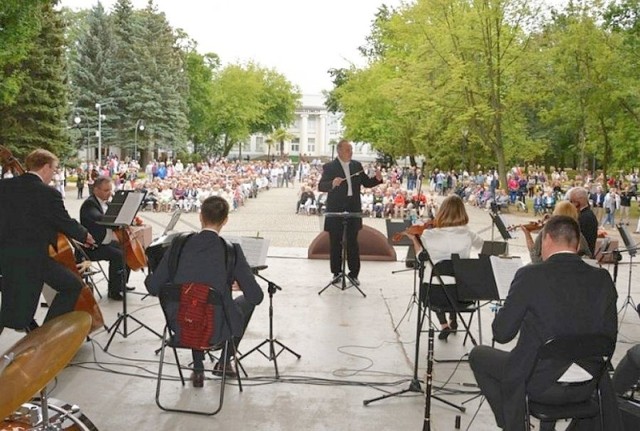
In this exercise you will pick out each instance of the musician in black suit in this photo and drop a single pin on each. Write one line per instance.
(32, 215)
(203, 261)
(561, 296)
(91, 212)
(342, 179)
(579, 198)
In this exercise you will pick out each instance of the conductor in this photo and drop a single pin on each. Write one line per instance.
(342, 179)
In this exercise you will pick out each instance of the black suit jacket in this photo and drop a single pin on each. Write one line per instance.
(202, 261)
(32, 215)
(560, 296)
(337, 199)
(90, 213)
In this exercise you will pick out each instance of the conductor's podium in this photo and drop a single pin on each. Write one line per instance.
(373, 246)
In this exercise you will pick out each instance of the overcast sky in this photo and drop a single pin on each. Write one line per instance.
(301, 39)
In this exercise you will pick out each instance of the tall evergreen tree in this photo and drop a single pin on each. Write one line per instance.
(93, 74)
(38, 118)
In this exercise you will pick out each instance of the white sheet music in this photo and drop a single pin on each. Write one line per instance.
(254, 249)
(129, 208)
(504, 269)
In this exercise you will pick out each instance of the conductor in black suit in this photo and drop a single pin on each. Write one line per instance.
(342, 179)
(32, 215)
(203, 261)
(560, 296)
(91, 212)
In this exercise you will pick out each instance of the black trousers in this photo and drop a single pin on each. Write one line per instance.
(247, 310)
(66, 284)
(112, 253)
(353, 249)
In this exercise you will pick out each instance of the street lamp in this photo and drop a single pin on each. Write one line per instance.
(99, 133)
(139, 126)
(77, 120)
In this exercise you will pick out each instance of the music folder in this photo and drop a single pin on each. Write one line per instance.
(123, 208)
(487, 278)
(255, 249)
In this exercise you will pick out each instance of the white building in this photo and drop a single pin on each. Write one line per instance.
(315, 131)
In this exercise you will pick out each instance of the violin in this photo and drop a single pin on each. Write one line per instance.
(532, 226)
(415, 230)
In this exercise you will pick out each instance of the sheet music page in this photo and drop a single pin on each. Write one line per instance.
(254, 249)
(129, 208)
(504, 269)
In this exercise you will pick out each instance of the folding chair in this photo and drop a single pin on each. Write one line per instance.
(592, 353)
(169, 339)
(444, 298)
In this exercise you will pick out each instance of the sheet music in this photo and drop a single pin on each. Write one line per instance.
(254, 249)
(504, 269)
(129, 208)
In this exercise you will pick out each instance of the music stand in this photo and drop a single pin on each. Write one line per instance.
(271, 341)
(631, 250)
(120, 213)
(343, 281)
(498, 221)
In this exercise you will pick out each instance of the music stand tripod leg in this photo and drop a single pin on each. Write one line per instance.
(273, 356)
(122, 318)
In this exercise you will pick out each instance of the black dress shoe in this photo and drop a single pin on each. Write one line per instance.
(217, 369)
(354, 278)
(130, 288)
(116, 296)
(197, 378)
(444, 333)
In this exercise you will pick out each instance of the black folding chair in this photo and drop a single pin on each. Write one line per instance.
(545, 386)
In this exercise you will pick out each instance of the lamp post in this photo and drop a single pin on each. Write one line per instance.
(77, 120)
(99, 108)
(139, 126)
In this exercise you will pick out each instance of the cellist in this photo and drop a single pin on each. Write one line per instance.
(91, 212)
(32, 214)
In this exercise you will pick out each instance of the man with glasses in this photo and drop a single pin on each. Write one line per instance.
(33, 214)
(579, 197)
(91, 212)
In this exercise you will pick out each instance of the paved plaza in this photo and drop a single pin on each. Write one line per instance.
(349, 349)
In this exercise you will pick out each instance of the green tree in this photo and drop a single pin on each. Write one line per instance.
(37, 119)
(20, 24)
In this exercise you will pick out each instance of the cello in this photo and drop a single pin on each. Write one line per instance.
(63, 253)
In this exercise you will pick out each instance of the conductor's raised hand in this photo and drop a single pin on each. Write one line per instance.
(337, 181)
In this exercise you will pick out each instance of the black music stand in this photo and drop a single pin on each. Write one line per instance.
(343, 281)
(414, 384)
(631, 249)
(272, 356)
(120, 213)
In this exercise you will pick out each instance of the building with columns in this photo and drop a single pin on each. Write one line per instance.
(315, 132)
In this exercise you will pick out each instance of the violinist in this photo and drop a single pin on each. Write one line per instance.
(535, 247)
(91, 211)
(450, 235)
(33, 213)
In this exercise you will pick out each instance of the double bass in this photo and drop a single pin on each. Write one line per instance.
(63, 253)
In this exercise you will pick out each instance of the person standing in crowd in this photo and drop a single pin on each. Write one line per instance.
(450, 235)
(587, 220)
(342, 179)
(80, 179)
(202, 260)
(33, 214)
(91, 212)
(561, 296)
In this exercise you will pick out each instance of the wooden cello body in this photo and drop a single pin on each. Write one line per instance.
(63, 253)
